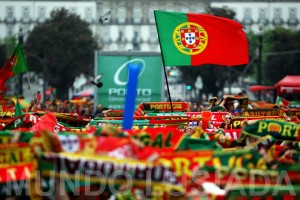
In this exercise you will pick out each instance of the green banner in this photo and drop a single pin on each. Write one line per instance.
(278, 130)
(113, 66)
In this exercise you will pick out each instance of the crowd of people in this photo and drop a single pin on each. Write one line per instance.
(87, 109)
(82, 108)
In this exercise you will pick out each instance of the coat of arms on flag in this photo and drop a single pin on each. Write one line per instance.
(190, 37)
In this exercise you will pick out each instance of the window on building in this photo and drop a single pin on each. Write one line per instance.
(293, 20)
(10, 11)
(247, 20)
(152, 7)
(106, 35)
(262, 13)
(25, 14)
(137, 15)
(10, 30)
(277, 20)
(41, 14)
(136, 38)
(121, 15)
(277, 13)
(9, 14)
(88, 14)
(136, 32)
(153, 34)
(262, 16)
(121, 37)
(247, 12)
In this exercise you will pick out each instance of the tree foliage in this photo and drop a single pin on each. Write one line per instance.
(281, 54)
(60, 49)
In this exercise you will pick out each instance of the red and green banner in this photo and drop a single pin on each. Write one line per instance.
(261, 112)
(108, 170)
(163, 106)
(16, 172)
(277, 129)
(15, 153)
(166, 139)
(188, 39)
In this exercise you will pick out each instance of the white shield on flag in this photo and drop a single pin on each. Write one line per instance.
(190, 38)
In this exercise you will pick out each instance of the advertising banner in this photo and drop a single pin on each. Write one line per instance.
(113, 66)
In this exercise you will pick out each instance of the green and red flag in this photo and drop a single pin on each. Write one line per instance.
(16, 64)
(188, 39)
(282, 101)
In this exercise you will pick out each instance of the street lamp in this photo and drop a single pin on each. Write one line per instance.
(259, 60)
(21, 39)
(44, 65)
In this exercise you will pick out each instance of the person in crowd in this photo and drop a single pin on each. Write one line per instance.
(53, 107)
(227, 124)
(237, 105)
(98, 110)
(190, 106)
(101, 111)
(213, 102)
(38, 96)
(229, 106)
(195, 107)
(85, 113)
(33, 106)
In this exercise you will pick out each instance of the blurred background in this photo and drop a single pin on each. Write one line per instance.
(62, 41)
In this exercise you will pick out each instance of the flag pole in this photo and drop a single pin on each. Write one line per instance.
(163, 61)
(168, 87)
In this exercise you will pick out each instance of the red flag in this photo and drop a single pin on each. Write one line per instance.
(48, 122)
(6, 70)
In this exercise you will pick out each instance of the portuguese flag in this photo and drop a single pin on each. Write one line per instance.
(16, 64)
(188, 39)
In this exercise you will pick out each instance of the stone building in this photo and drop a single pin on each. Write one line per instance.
(129, 25)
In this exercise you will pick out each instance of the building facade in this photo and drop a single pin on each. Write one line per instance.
(265, 14)
(24, 15)
(129, 25)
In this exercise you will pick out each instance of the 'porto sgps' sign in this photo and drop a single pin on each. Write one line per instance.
(115, 73)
